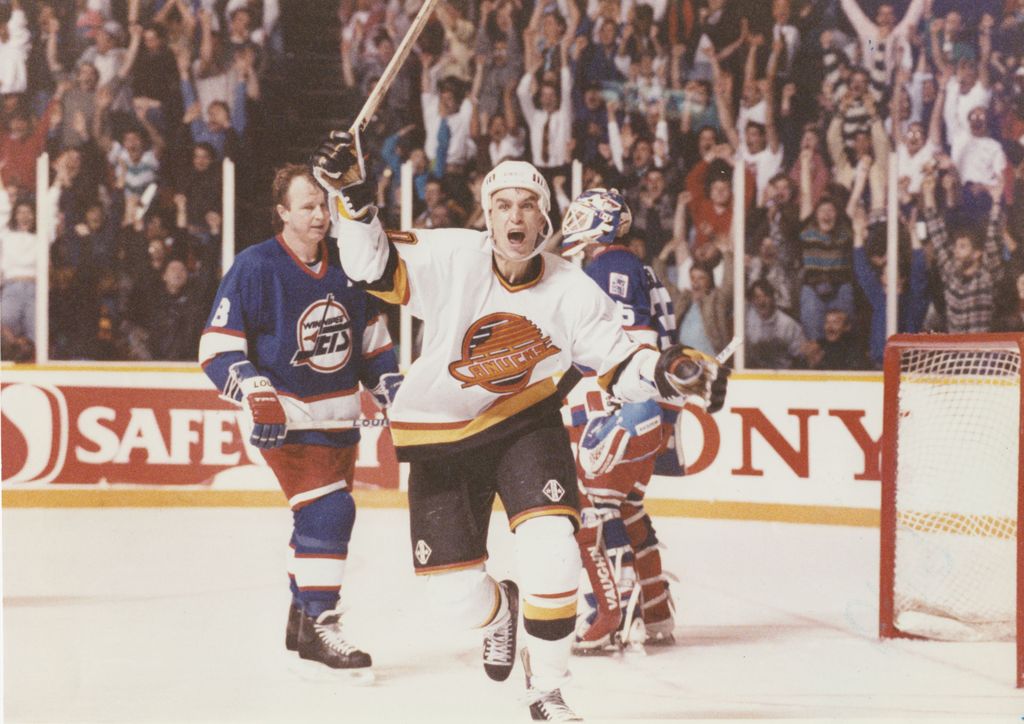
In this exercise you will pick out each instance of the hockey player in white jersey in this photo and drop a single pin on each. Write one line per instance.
(479, 412)
(619, 441)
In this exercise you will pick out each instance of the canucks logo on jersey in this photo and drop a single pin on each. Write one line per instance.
(324, 336)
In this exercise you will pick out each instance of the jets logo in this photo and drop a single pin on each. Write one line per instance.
(323, 336)
(499, 352)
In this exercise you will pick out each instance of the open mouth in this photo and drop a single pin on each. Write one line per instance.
(517, 237)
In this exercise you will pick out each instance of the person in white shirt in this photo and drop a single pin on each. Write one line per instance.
(881, 41)
(759, 145)
(15, 42)
(914, 150)
(970, 86)
(980, 161)
(550, 124)
(18, 243)
(446, 118)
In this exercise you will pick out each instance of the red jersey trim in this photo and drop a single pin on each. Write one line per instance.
(301, 264)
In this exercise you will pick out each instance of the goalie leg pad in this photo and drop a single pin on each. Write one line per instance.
(464, 599)
(321, 531)
(657, 606)
(548, 561)
(603, 612)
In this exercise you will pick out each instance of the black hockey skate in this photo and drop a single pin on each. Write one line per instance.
(546, 705)
(550, 706)
(323, 640)
(291, 631)
(500, 641)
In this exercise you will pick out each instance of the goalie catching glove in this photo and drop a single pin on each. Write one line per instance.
(337, 166)
(682, 371)
(260, 402)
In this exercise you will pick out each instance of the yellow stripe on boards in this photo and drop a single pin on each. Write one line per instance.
(151, 497)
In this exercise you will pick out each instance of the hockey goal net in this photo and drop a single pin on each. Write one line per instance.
(951, 481)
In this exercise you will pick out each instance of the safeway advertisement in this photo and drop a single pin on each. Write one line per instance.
(144, 428)
(779, 439)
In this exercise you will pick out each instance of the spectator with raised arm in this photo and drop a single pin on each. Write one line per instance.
(882, 41)
(550, 120)
(968, 263)
(222, 129)
(912, 285)
(704, 310)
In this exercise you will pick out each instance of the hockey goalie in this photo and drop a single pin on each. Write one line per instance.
(621, 443)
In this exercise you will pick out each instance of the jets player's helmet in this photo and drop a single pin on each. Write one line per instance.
(597, 216)
(517, 175)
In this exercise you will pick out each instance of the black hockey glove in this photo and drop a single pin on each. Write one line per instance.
(337, 166)
(683, 371)
(718, 387)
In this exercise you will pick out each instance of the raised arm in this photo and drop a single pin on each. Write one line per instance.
(806, 188)
(860, 22)
(770, 124)
(910, 18)
(985, 48)
(935, 122)
(155, 137)
(936, 28)
(135, 31)
(723, 101)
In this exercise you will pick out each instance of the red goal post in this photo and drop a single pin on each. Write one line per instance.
(952, 482)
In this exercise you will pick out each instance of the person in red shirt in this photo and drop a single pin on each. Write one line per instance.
(710, 187)
(21, 143)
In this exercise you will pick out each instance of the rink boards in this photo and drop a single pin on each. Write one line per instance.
(787, 446)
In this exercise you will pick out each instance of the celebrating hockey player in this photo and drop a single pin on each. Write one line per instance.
(621, 440)
(478, 414)
(291, 339)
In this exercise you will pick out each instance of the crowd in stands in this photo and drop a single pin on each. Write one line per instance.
(661, 99)
(136, 102)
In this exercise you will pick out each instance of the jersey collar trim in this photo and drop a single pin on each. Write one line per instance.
(518, 287)
(321, 272)
(608, 247)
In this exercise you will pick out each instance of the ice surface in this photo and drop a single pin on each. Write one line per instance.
(177, 615)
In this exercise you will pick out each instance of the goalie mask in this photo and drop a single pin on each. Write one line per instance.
(517, 175)
(597, 216)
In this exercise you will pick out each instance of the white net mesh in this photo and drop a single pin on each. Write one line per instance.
(956, 493)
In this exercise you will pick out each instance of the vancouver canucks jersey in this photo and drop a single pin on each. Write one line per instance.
(491, 349)
(309, 330)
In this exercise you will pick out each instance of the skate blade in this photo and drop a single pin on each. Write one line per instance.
(316, 672)
(603, 649)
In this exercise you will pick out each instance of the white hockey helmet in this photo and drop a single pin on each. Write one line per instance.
(517, 175)
(596, 216)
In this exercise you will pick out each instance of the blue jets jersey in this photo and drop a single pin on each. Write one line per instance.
(310, 331)
(644, 303)
(647, 315)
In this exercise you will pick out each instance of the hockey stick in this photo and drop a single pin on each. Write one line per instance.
(358, 423)
(394, 65)
(730, 349)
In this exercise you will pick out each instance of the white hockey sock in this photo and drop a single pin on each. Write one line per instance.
(549, 662)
